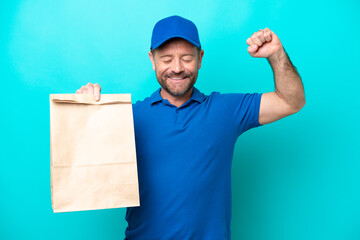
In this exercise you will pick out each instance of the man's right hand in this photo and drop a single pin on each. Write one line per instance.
(90, 89)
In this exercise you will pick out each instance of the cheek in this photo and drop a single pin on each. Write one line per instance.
(158, 69)
(161, 68)
(192, 68)
(162, 72)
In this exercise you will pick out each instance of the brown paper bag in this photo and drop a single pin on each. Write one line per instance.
(93, 158)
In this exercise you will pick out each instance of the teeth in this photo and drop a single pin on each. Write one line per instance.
(176, 78)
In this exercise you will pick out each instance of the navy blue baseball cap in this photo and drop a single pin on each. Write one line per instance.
(174, 26)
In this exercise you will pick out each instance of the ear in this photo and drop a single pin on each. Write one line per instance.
(200, 58)
(151, 56)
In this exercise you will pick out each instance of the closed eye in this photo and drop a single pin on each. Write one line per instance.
(166, 59)
(187, 58)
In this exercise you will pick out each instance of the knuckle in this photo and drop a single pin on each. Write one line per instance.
(81, 90)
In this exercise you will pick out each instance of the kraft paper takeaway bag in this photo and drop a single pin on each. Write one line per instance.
(93, 158)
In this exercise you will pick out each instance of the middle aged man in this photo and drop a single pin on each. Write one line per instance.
(185, 139)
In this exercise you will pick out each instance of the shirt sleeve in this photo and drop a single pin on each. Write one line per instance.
(244, 109)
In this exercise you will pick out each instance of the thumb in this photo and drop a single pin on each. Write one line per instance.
(253, 48)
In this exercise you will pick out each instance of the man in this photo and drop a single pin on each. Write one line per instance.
(185, 139)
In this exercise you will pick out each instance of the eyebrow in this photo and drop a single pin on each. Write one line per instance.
(168, 55)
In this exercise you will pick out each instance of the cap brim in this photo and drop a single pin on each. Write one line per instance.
(158, 44)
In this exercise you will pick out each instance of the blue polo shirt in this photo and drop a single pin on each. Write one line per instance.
(184, 157)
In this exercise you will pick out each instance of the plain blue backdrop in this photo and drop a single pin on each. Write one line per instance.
(298, 178)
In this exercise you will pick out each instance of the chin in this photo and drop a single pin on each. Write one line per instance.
(178, 92)
(176, 89)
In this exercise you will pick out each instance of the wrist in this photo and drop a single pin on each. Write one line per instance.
(278, 56)
(279, 60)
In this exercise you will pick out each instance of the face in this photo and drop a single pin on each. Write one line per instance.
(176, 64)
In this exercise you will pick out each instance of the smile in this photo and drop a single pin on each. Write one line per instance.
(177, 79)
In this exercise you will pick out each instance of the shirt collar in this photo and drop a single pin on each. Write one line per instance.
(156, 97)
(196, 96)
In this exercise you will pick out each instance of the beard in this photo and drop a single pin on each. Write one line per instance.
(179, 88)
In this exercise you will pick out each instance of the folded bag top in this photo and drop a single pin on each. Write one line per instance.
(89, 98)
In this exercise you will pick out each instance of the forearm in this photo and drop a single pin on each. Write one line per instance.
(288, 84)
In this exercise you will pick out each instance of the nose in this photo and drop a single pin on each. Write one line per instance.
(177, 66)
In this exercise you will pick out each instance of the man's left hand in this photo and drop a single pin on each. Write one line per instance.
(264, 44)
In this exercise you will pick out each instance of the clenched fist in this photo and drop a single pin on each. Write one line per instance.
(264, 44)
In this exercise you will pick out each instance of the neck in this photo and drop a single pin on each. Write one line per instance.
(176, 100)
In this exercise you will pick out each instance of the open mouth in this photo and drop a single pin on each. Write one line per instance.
(177, 79)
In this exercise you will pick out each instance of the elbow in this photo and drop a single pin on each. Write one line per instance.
(296, 108)
(302, 103)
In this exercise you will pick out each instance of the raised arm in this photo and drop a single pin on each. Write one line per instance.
(288, 97)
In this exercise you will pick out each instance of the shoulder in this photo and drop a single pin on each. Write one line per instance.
(141, 103)
(231, 98)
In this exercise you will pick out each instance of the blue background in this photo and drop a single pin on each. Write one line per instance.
(298, 178)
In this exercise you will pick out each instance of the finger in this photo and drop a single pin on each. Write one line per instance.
(90, 88)
(249, 42)
(253, 48)
(256, 40)
(260, 35)
(97, 90)
(78, 91)
(83, 90)
(267, 34)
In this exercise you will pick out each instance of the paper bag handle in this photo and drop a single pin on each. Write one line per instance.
(90, 99)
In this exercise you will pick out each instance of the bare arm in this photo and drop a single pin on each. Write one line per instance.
(288, 97)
